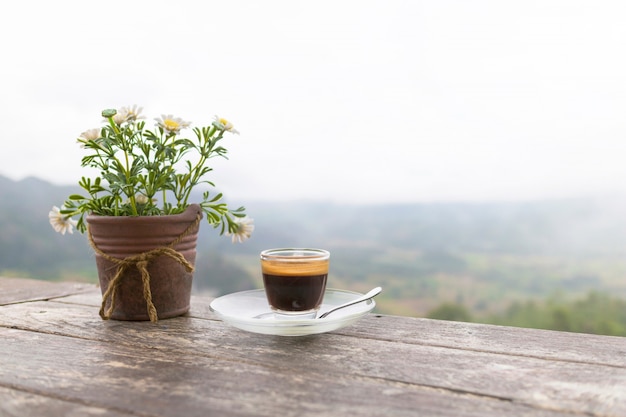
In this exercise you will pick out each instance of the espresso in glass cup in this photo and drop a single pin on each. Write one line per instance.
(295, 280)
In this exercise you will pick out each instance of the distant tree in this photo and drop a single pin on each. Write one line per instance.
(450, 312)
(597, 313)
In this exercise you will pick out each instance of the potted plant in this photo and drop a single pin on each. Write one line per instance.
(138, 214)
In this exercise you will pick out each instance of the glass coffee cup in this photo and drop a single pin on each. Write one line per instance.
(295, 280)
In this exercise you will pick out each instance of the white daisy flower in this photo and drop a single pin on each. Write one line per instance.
(245, 227)
(171, 124)
(121, 116)
(224, 124)
(88, 136)
(132, 114)
(60, 222)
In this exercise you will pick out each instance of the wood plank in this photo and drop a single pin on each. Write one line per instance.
(19, 290)
(546, 344)
(543, 383)
(19, 403)
(159, 382)
(565, 346)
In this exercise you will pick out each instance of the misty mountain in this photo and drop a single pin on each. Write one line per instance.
(418, 251)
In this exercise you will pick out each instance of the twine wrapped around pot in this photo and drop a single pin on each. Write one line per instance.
(140, 261)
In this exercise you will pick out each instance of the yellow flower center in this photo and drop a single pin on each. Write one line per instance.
(223, 121)
(171, 124)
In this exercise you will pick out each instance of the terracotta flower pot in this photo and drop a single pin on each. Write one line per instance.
(145, 264)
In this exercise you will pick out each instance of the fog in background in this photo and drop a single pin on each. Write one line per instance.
(345, 101)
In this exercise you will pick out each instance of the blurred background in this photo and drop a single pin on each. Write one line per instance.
(466, 156)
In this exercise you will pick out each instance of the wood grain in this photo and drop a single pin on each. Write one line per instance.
(542, 383)
(123, 379)
(17, 403)
(60, 354)
(19, 290)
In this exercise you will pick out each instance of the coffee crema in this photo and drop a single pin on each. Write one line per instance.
(295, 267)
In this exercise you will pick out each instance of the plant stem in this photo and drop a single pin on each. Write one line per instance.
(131, 197)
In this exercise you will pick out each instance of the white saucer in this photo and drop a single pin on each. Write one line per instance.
(239, 310)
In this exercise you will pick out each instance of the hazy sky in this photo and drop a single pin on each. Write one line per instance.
(352, 100)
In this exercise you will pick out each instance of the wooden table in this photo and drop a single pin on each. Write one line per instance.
(58, 358)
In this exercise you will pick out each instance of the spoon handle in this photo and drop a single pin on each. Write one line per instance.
(371, 294)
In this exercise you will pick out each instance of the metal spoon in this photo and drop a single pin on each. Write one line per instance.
(371, 294)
